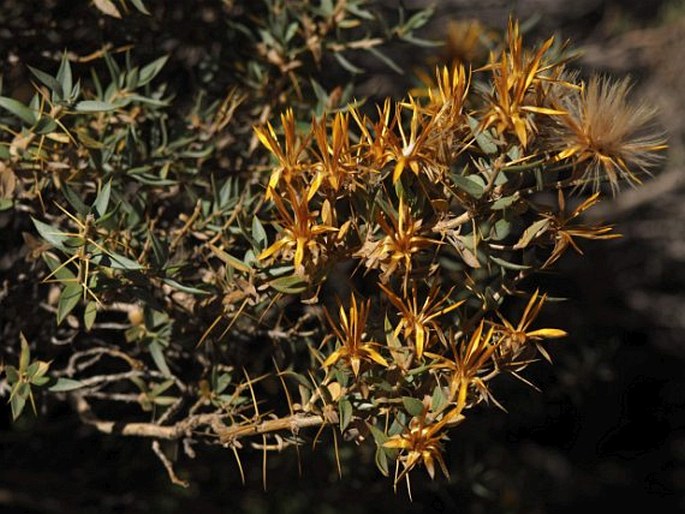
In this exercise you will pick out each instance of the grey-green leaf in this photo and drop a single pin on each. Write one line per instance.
(469, 185)
(89, 315)
(158, 356)
(69, 299)
(345, 411)
(102, 200)
(18, 109)
(63, 385)
(51, 234)
(94, 106)
(412, 405)
(149, 72)
(292, 284)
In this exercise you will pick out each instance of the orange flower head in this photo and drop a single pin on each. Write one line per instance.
(419, 320)
(350, 333)
(300, 238)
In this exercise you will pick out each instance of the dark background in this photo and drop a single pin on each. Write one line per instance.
(608, 428)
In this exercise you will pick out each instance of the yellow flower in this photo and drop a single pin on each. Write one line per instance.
(288, 157)
(336, 163)
(468, 362)
(375, 137)
(401, 242)
(564, 232)
(420, 442)
(350, 334)
(300, 231)
(515, 338)
(414, 151)
(519, 88)
(420, 321)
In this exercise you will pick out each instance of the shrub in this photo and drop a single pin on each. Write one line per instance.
(216, 276)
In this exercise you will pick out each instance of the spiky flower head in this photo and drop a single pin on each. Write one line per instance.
(608, 137)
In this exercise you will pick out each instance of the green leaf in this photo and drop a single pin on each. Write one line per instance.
(49, 81)
(64, 77)
(438, 400)
(25, 355)
(45, 125)
(12, 374)
(37, 370)
(484, 140)
(62, 385)
(40, 381)
(158, 357)
(18, 402)
(186, 289)
(222, 382)
(345, 413)
(102, 199)
(18, 109)
(292, 284)
(412, 405)
(69, 299)
(507, 264)
(89, 315)
(258, 233)
(159, 250)
(379, 436)
(381, 460)
(160, 388)
(64, 274)
(150, 71)
(500, 230)
(74, 200)
(138, 4)
(504, 202)
(347, 64)
(116, 261)
(386, 60)
(94, 106)
(390, 338)
(227, 258)
(470, 184)
(358, 12)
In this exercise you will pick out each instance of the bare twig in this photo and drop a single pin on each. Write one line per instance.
(168, 465)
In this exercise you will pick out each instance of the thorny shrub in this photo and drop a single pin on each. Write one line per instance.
(361, 271)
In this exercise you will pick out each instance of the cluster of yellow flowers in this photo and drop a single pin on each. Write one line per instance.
(438, 200)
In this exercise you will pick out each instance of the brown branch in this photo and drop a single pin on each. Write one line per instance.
(170, 432)
(293, 423)
(227, 435)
